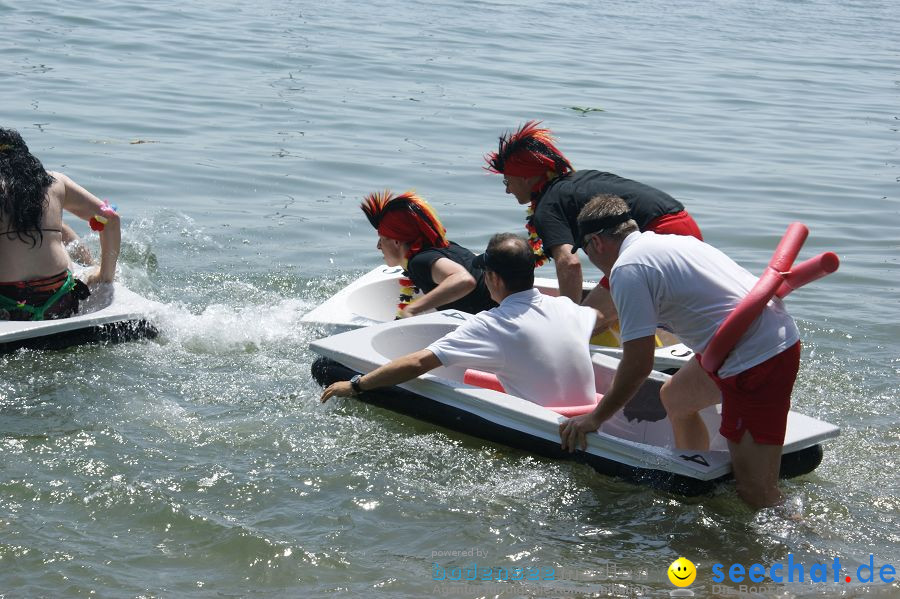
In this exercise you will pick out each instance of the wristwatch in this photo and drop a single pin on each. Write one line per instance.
(354, 384)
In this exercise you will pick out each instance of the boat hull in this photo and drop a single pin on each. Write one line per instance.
(636, 443)
(109, 315)
(326, 371)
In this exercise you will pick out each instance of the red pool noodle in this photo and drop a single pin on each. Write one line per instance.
(749, 309)
(789, 247)
(808, 271)
(487, 380)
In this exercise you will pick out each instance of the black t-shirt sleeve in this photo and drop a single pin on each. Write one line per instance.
(552, 225)
(419, 269)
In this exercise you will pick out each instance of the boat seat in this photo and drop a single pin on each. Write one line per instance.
(487, 380)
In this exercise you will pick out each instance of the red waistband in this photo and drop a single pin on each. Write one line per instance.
(41, 285)
(677, 223)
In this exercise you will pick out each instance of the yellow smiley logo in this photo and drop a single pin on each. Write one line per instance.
(682, 572)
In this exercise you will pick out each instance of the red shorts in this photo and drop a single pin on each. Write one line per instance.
(758, 399)
(679, 223)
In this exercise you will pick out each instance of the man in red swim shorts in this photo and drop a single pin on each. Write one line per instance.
(688, 287)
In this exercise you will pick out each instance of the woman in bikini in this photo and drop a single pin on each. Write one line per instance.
(35, 280)
(410, 235)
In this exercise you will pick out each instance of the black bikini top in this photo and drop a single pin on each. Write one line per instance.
(17, 232)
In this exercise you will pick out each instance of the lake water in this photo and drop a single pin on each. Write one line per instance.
(237, 140)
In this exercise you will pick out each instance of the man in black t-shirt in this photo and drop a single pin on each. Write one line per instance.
(540, 176)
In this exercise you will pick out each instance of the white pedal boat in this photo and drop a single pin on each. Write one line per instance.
(111, 314)
(372, 299)
(636, 444)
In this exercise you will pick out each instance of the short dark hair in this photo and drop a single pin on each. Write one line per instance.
(510, 256)
(607, 215)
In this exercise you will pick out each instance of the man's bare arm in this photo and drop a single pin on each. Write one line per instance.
(568, 272)
(393, 373)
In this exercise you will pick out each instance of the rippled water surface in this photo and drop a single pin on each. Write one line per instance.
(237, 140)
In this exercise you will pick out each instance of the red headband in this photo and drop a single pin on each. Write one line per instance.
(406, 218)
(527, 165)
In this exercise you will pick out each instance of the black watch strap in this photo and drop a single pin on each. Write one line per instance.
(354, 383)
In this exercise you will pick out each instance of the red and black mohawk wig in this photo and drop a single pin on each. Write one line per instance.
(528, 152)
(405, 217)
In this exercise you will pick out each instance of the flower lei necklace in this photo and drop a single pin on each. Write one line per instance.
(407, 290)
(537, 245)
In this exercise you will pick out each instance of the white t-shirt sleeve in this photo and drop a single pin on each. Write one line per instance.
(469, 346)
(634, 288)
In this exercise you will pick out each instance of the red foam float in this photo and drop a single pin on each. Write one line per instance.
(487, 380)
(808, 271)
(779, 279)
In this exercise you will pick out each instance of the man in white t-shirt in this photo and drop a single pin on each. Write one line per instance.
(537, 345)
(688, 287)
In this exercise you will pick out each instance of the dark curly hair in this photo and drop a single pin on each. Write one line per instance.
(23, 188)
